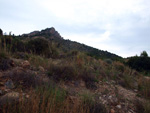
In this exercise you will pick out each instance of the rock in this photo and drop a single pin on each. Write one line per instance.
(12, 63)
(9, 84)
(146, 78)
(25, 64)
(135, 90)
(27, 96)
(6, 90)
(1, 83)
(104, 95)
(9, 98)
(112, 111)
(100, 98)
(118, 106)
(76, 83)
(82, 83)
(45, 79)
(104, 101)
(41, 69)
(110, 97)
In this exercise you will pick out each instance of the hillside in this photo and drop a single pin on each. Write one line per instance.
(40, 72)
(67, 45)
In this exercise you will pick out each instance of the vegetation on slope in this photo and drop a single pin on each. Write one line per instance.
(54, 63)
(140, 63)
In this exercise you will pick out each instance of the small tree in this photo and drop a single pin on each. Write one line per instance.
(1, 32)
(144, 54)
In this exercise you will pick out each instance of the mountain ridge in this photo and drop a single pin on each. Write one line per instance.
(66, 44)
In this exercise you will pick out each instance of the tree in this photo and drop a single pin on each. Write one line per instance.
(1, 32)
(144, 54)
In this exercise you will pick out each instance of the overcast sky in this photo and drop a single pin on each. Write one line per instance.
(118, 26)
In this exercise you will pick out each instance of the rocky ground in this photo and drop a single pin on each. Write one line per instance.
(16, 82)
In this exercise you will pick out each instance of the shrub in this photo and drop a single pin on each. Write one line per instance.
(24, 79)
(5, 64)
(139, 63)
(39, 61)
(109, 61)
(17, 45)
(144, 87)
(1, 32)
(119, 67)
(142, 107)
(6, 42)
(91, 105)
(3, 54)
(45, 100)
(63, 72)
(89, 80)
(21, 55)
(39, 46)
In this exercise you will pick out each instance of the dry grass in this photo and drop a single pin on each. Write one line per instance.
(49, 100)
(143, 107)
(144, 87)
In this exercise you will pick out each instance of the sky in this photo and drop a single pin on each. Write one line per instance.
(118, 26)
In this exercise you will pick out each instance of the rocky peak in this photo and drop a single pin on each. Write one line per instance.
(48, 32)
(51, 31)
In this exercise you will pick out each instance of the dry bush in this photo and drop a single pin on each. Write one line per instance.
(37, 61)
(63, 72)
(92, 105)
(24, 79)
(144, 87)
(119, 66)
(142, 106)
(5, 62)
(89, 80)
(51, 100)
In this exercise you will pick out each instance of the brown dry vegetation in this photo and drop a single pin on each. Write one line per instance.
(73, 66)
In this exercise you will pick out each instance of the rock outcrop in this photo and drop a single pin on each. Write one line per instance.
(46, 32)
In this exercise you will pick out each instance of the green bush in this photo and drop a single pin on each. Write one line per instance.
(38, 46)
(41, 46)
(17, 45)
(6, 42)
(139, 63)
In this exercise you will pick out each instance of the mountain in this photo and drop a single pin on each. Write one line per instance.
(68, 45)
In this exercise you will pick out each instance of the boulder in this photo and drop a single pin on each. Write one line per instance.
(41, 69)
(9, 98)
(9, 84)
(112, 111)
(25, 64)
